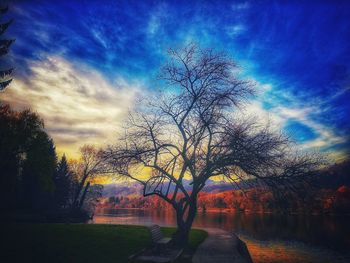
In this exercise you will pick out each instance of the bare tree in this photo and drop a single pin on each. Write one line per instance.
(86, 168)
(190, 132)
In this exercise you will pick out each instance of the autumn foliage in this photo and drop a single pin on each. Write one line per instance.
(253, 200)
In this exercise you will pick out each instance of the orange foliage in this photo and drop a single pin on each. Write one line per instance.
(253, 200)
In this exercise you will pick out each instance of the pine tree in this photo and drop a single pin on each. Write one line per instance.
(5, 74)
(62, 167)
(62, 180)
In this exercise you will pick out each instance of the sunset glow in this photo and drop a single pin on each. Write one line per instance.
(175, 131)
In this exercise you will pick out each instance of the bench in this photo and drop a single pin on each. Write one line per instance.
(157, 237)
(159, 252)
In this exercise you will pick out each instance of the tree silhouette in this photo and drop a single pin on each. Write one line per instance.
(63, 183)
(27, 160)
(5, 74)
(89, 165)
(191, 132)
(38, 172)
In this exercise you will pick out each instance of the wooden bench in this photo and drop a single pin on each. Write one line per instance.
(157, 237)
(159, 252)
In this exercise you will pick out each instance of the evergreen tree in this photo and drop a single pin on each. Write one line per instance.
(5, 74)
(63, 183)
(38, 172)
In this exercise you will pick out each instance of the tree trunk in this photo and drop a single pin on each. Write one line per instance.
(77, 194)
(180, 237)
(82, 199)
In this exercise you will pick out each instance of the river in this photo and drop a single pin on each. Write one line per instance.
(292, 238)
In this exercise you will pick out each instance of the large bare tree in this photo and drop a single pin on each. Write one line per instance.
(190, 132)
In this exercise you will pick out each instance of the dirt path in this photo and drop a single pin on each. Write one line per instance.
(221, 247)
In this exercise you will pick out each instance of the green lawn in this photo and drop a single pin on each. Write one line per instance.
(78, 242)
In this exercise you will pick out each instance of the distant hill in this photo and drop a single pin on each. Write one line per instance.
(334, 176)
(331, 178)
(122, 189)
(133, 189)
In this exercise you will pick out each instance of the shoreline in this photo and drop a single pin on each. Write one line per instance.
(227, 211)
(276, 251)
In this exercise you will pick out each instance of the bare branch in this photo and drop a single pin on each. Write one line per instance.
(189, 132)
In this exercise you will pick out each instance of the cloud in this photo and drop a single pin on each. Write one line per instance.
(240, 6)
(326, 137)
(77, 104)
(157, 17)
(306, 67)
(235, 30)
(280, 114)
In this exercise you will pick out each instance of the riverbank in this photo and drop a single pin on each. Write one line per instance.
(100, 211)
(247, 211)
(269, 237)
(78, 242)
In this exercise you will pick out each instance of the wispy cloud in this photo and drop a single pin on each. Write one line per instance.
(298, 52)
(235, 30)
(77, 104)
(240, 6)
(280, 113)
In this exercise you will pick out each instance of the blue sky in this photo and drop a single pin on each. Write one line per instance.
(296, 51)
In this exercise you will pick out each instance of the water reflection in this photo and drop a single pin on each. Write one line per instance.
(321, 231)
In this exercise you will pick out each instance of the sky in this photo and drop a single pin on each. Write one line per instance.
(80, 64)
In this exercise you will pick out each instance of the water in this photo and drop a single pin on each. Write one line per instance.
(323, 233)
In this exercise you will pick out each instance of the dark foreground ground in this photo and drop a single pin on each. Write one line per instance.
(78, 242)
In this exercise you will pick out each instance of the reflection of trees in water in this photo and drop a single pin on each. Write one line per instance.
(317, 230)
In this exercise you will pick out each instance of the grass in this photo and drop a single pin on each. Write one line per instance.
(197, 236)
(78, 242)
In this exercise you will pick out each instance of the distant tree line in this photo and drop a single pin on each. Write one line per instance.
(254, 200)
(32, 178)
(330, 194)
